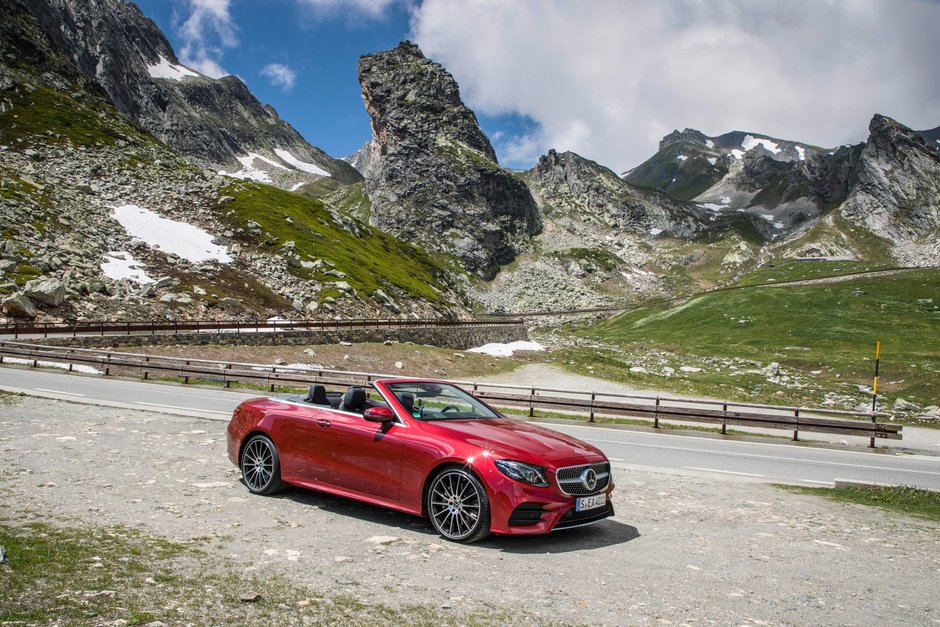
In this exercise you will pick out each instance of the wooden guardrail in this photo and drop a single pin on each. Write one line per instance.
(654, 408)
(152, 327)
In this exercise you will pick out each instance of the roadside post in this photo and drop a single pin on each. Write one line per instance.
(874, 390)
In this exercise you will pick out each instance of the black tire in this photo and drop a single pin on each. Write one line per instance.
(458, 506)
(261, 466)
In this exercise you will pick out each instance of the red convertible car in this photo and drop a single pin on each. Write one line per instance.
(427, 448)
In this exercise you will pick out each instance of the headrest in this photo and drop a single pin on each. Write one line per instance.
(317, 395)
(407, 399)
(354, 399)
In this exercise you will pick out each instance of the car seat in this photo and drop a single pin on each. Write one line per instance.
(353, 400)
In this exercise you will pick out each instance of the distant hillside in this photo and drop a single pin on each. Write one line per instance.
(799, 345)
(688, 163)
(931, 137)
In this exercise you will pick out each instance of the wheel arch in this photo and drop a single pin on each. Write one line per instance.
(247, 439)
(441, 467)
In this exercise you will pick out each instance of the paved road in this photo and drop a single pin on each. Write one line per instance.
(682, 454)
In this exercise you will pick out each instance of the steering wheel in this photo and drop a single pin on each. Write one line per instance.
(450, 408)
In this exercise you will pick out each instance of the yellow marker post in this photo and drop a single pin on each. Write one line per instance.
(874, 389)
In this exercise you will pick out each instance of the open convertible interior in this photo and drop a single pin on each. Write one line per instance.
(354, 399)
(422, 400)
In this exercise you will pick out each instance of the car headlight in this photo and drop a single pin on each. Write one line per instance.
(524, 473)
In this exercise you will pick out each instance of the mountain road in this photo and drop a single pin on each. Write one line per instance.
(692, 454)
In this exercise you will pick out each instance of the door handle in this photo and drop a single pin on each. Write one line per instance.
(323, 423)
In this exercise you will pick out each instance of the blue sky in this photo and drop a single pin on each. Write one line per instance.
(324, 101)
(604, 78)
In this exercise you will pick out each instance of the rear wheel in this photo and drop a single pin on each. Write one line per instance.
(261, 466)
(458, 506)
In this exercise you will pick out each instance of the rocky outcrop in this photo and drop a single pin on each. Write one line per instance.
(567, 184)
(894, 189)
(433, 174)
(568, 187)
(214, 121)
(19, 306)
(48, 292)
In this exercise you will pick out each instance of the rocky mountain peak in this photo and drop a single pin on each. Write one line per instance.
(571, 189)
(888, 134)
(432, 173)
(688, 136)
(895, 191)
(426, 91)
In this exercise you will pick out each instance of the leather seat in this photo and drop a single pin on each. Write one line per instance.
(317, 395)
(353, 400)
(407, 399)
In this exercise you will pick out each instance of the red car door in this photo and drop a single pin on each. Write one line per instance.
(355, 454)
(292, 428)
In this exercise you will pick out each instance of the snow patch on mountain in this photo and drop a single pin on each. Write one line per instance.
(170, 71)
(249, 172)
(506, 350)
(120, 265)
(309, 168)
(172, 237)
(751, 142)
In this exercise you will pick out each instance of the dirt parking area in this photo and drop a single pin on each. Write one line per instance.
(681, 549)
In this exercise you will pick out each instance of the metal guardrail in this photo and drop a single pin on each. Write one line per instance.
(656, 409)
(152, 327)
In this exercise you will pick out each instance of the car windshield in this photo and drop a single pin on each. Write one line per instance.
(439, 401)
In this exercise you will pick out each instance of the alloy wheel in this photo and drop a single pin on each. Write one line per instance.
(260, 465)
(458, 506)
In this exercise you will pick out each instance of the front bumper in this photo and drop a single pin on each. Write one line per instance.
(520, 509)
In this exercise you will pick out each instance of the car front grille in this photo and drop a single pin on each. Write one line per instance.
(575, 480)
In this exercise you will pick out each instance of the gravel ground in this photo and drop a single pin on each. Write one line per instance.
(680, 550)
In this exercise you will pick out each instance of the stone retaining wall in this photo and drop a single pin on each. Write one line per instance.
(459, 338)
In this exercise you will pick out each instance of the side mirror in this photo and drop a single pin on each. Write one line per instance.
(378, 414)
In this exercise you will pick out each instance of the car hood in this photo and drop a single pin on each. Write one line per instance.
(514, 439)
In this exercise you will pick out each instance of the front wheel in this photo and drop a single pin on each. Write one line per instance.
(458, 506)
(261, 466)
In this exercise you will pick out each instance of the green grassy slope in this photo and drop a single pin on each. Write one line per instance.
(44, 116)
(369, 258)
(823, 335)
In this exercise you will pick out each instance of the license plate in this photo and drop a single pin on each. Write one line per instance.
(590, 502)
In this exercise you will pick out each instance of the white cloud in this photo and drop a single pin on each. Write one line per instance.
(205, 33)
(374, 9)
(280, 75)
(609, 78)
